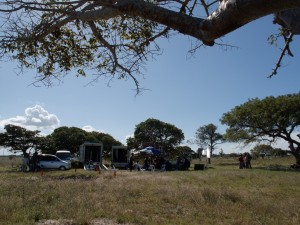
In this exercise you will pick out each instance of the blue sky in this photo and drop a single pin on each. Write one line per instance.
(187, 92)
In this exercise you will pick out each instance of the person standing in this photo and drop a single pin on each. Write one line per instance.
(34, 161)
(25, 162)
(241, 161)
(146, 163)
(178, 163)
(131, 162)
(248, 158)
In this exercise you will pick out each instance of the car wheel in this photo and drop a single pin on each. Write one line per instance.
(62, 168)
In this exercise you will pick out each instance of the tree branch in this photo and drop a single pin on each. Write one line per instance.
(286, 48)
(228, 17)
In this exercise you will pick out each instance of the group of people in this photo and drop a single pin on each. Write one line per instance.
(245, 161)
(182, 163)
(30, 162)
(159, 163)
(150, 163)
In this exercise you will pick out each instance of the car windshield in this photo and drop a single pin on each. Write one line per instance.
(63, 155)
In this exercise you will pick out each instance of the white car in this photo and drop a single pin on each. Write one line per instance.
(64, 155)
(47, 161)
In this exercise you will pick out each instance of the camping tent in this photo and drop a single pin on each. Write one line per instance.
(150, 150)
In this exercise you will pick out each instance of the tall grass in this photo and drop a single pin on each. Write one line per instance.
(221, 194)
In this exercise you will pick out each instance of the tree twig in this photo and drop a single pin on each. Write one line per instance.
(286, 48)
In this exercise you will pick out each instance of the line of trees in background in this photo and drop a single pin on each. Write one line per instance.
(20, 139)
(256, 121)
(264, 150)
(17, 138)
(151, 132)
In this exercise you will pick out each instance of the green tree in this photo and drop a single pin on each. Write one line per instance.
(115, 38)
(261, 150)
(279, 152)
(181, 151)
(265, 120)
(69, 138)
(208, 136)
(46, 144)
(158, 134)
(17, 138)
(132, 143)
(221, 153)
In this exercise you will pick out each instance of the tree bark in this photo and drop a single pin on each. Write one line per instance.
(230, 15)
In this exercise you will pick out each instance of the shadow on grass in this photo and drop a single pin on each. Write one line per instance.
(278, 168)
(228, 164)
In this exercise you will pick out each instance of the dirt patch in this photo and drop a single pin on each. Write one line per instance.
(56, 222)
(75, 177)
(70, 222)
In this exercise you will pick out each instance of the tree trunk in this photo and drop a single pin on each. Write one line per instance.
(296, 153)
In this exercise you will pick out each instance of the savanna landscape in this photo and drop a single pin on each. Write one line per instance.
(220, 194)
(116, 40)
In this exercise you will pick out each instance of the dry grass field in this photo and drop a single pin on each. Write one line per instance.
(221, 194)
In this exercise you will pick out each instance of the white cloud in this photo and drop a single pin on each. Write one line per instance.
(35, 118)
(90, 128)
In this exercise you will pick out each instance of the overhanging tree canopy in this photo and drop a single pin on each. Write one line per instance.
(268, 120)
(115, 38)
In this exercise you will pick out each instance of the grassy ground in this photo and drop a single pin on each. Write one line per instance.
(221, 194)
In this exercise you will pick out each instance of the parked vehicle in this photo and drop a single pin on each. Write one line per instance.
(64, 155)
(47, 161)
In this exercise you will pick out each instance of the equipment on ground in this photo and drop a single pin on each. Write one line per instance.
(90, 155)
(120, 157)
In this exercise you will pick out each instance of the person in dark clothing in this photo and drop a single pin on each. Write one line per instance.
(178, 163)
(131, 162)
(241, 161)
(146, 163)
(187, 163)
(247, 159)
